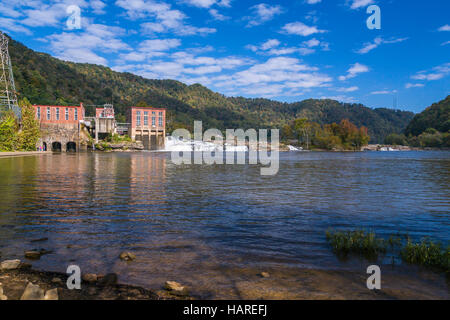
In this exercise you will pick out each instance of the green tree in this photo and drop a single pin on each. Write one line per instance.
(30, 131)
(8, 132)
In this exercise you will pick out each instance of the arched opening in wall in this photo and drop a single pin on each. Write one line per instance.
(56, 146)
(71, 147)
(44, 145)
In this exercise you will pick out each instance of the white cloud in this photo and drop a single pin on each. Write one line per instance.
(414, 85)
(434, 74)
(13, 26)
(86, 46)
(97, 6)
(354, 70)
(313, 1)
(356, 4)
(444, 28)
(369, 46)
(350, 89)
(217, 15)
(165, 18)
(445, 43)
(383, 92)
(301, 29)
(263, 13)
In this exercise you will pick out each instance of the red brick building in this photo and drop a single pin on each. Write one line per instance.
(59, 114)
(148, 125)
(60, 126)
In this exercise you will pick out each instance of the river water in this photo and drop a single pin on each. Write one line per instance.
(214, 228)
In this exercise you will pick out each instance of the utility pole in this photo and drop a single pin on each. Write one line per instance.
(8, 95)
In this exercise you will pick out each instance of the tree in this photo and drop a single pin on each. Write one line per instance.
(303, 129)
(30, 131)
(8, 132)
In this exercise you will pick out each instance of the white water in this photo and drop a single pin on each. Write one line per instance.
(173, 144)
(292, 148)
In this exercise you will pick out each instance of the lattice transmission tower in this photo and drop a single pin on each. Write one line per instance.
(8, 95)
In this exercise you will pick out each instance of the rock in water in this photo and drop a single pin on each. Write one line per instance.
(9, 264)
(32, 292)
(127, 256)
(51, 294)
(176, 288)
(265, 274)
(89, 277)
(32, 254)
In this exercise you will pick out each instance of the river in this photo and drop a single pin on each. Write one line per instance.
(214, 228)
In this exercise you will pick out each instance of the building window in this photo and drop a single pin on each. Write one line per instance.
(48, 114)
(145, 118)
(153, 118)
(38, 115)
(76, 114)
(160, 119)
(57, 113)
(67, 114)
(138, 118)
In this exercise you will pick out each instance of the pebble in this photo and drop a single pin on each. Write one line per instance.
(9, 264)
(127, 256)
(175, 288)
(265, 274)
(32, 292)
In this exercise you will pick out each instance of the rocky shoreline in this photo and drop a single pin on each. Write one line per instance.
(18, 281)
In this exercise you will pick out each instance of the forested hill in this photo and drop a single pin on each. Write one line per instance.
(437, 117)
(47, 80)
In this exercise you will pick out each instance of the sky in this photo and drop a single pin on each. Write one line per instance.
(282, 50)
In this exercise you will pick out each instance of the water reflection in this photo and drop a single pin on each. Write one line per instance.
(214, 227)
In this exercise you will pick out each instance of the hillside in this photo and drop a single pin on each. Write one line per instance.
(437, 117)
(47, 80)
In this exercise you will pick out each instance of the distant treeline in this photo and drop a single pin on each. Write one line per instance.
(47, 80)
(430, 128)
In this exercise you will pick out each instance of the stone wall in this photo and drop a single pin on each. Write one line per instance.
(62, 133)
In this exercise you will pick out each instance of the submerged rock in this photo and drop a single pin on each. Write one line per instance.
(34, 255)
(176, 288)
(127, 256)
(2, 296)
(33, 292)
(51, 294)
(109, 280)
(10, 264)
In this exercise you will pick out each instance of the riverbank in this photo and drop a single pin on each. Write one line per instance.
(23, 153)
(24, 283)
(300, 284)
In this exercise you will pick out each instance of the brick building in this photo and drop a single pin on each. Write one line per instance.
(60, 126)
(148, 125)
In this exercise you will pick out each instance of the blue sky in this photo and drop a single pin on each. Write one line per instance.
(283, 50)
